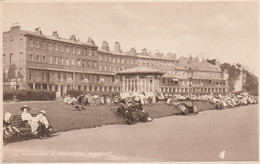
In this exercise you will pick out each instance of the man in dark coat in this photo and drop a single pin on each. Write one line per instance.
(142, 114)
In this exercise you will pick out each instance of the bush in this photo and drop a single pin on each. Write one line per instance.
(74, 93)
(8, 95)
(27, 95)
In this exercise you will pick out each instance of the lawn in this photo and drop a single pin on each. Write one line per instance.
(63, 118)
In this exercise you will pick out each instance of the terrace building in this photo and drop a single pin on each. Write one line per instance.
(37, 61)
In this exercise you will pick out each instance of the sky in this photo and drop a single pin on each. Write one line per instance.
(227, 31)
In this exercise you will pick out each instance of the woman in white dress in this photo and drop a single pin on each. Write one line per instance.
(29, 120)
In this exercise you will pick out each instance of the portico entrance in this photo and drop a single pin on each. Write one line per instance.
(139, 80)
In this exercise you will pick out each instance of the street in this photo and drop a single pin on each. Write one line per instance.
(175, 138)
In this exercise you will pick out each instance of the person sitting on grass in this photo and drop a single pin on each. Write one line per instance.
(142, 114)
(80, 98)
(73, 101)
(44, 124)
(65, 100)
(8, 128)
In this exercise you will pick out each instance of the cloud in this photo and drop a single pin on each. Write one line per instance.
(223, 22)
(122, 11)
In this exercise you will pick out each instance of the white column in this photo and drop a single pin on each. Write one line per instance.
(127, 85)
(149, 85)
(134, 85)
(138, 83)
(141, 80)
(123, 84)
(145, 84)
(153, 84)
(59, 89)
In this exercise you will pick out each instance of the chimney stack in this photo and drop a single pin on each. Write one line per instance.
(38, 30)
(91, 41)
(73, 37)
(55, 34)
(144, 52)
(133, 51)
(117, 47)
(105, 46)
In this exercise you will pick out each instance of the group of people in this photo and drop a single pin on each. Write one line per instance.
(87, 99)
(219, 101)
(133, 111)
(39, 124)
(231, 100)
(96, 100)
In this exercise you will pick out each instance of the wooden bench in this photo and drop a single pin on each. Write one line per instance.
(17, 122)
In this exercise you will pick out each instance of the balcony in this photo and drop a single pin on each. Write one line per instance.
(56, 67)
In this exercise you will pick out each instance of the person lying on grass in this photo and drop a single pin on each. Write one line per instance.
(8, 128)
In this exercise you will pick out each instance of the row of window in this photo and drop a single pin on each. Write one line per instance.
(194, 82)
(78, 87)
(135, 61)
(62, 61)
(195, 74)
(157, 63)
(12, 44)
(205, 90)
(62, 48)
(112, 68)
(35, 75)
(117, 59)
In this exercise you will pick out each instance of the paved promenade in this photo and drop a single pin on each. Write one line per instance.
(175, 138)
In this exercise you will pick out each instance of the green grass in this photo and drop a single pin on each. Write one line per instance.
(62, 118)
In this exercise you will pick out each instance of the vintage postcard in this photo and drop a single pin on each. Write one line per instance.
(129, 81)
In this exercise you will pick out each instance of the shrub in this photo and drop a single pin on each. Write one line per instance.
(74, 93)
(8, 95)
(40, 95)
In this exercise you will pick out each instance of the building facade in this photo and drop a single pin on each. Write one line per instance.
(37, 61)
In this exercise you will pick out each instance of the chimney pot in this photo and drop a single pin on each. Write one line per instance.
(73, 37)
(38, 30)
(55, 33)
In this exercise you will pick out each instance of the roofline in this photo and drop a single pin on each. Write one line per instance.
(124, 73)
(183, 69)
(58, 39)
(138, 56)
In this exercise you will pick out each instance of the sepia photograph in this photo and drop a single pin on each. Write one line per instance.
(129, 81)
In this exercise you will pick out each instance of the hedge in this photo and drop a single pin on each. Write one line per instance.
(27, 95)
(76, 93)
(8, 95)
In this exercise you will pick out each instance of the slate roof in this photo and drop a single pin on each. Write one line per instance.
(141, 70)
